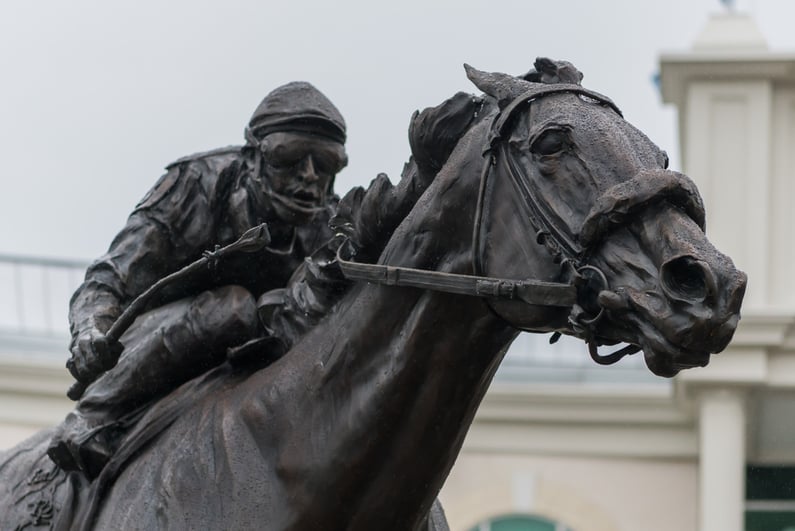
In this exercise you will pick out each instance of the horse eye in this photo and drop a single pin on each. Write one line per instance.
(550, 142)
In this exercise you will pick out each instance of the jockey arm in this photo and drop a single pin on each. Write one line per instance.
(171, 226)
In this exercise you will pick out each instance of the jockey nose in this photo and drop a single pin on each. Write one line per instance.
(306, 170)
(687, 279)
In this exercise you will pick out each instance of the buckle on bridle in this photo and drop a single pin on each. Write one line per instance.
(587, 325)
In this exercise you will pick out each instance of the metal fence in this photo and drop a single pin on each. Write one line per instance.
(35, 294)
(532, 358)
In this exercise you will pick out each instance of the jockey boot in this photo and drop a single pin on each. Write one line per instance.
(80, 445)
(163, 349)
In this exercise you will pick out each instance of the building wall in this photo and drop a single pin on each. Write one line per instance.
(585, 494)
(606, 456)
(33, 388)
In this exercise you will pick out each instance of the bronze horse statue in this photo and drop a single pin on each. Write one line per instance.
(553, 210)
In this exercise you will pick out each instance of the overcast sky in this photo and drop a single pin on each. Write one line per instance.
(96, 97)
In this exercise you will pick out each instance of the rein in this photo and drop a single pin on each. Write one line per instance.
(534, 292)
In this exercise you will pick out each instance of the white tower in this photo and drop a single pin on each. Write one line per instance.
(736, 102)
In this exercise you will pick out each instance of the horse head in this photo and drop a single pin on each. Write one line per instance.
(616, 222)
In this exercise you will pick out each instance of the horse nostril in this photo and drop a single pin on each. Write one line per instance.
(687, 279)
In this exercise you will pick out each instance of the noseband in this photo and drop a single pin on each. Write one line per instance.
(571, 255)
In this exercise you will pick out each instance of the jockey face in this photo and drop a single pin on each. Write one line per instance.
(299, 169)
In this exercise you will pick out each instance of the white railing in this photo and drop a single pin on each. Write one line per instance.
(532, 358)
(35, 294)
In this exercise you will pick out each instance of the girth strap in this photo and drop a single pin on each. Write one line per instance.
(529, 291)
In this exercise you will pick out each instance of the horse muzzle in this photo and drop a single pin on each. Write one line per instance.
(692, 315)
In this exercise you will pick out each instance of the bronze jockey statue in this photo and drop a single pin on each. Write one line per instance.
(283, 176)
(252, 306)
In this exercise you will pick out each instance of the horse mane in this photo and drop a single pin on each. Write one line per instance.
(368, 218)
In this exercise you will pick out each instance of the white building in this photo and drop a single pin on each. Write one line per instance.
(560, 444)
(34, 343)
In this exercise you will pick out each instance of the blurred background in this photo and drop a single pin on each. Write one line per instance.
(97, 98)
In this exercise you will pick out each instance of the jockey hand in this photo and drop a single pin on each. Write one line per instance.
(92, 355)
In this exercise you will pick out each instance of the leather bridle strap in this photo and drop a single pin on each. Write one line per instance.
(506, 115)
(529, 291)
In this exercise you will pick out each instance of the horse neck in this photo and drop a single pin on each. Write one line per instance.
(430, 356)
(397, 373)
(437, 235)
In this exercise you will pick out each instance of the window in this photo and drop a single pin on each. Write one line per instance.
(770, 499)
(520, 523)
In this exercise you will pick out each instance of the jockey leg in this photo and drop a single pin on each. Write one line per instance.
(165, 348)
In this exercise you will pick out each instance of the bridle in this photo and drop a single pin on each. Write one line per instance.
(571, 255)
(564, 250)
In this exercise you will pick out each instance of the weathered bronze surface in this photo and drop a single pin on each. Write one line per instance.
(332, 403)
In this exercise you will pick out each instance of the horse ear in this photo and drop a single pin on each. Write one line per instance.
(503, 87)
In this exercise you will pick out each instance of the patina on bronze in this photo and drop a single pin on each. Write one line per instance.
(358, 424)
